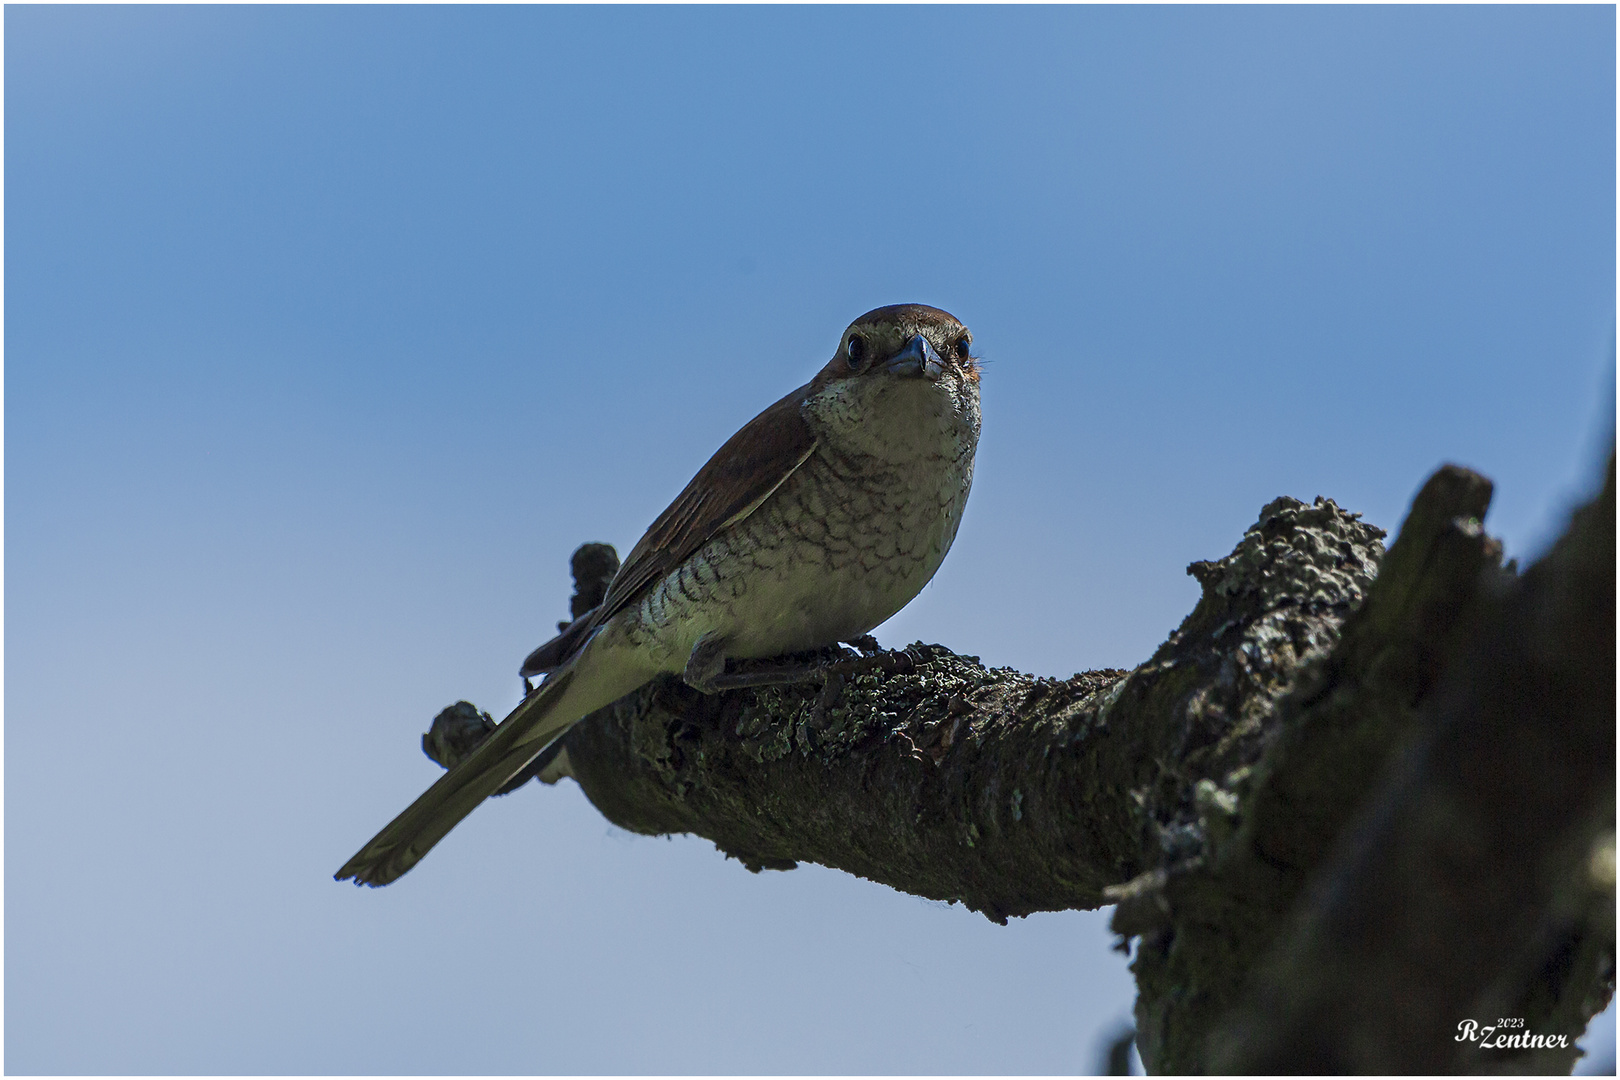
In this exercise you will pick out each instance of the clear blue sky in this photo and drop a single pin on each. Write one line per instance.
(330, 332)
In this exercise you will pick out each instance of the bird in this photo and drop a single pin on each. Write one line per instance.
(817, 521)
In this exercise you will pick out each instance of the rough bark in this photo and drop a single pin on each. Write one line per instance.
(1477, 881)
(1415, 847)
(1353, 800)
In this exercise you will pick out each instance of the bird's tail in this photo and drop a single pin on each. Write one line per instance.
(539, 720)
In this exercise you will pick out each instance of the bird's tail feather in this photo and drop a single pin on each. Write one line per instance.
(517, 740)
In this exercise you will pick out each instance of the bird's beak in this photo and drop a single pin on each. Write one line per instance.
(918, 358)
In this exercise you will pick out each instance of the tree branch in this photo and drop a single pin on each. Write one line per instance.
(1310, 804)
(1008, 793)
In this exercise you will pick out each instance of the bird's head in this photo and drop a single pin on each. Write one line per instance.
(900, 371)
(905, 341)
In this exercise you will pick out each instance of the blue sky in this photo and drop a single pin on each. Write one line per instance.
(330, 332)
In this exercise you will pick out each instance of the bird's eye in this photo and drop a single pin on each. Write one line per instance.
(856, 349)
(962, 348)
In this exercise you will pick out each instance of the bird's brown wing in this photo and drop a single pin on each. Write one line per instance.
(737, 479)
(741, 475)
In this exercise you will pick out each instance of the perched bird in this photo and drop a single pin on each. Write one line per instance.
(817, 521)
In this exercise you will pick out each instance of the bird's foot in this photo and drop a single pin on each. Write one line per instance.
(773, 674)
(706, 669)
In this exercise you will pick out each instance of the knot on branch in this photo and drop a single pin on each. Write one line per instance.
(456, 732)
(593, 566)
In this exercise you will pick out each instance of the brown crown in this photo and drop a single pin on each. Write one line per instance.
(918, 314)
